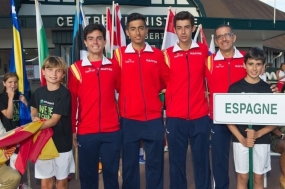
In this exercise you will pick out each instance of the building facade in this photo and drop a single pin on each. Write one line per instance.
(58, 16)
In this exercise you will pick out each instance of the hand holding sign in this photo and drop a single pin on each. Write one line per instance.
(250, 133)
(250, 142)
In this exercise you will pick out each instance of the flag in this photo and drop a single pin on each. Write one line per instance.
(19, 134)
(78, 47)
(43, 51)
(210, 58)
(197, 33)
(6, 153)
(119, 33)
(27, 136)
(103, 22)
(211, 49)
(108, 33)
(212, 45)
(42, 143)
(203, 37)
(25, 114)
(111, 25)
(169, 37)
(17, 60)
(115, 34)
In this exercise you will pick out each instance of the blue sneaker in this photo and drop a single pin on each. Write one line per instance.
(141, 160)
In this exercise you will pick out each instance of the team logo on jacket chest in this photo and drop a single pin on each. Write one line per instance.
(177, 55)
(195, 53)
(238, 66)
(219, 66)
(129, 61)
(106, 69)
(90, 70)
(151, 61)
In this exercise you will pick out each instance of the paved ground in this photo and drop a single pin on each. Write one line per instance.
(272, 180)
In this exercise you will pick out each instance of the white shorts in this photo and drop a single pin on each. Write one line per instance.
(59, 167)
(261, 158)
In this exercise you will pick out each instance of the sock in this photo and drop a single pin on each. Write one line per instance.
(141, 152)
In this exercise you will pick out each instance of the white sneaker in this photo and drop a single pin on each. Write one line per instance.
(23, 186)
(165, 148)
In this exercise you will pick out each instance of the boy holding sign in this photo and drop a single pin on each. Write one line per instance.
(258, 137)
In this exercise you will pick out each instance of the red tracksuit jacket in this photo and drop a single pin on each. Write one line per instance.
(93, 84)
(143, 76)
(221, 73)
(185, 93)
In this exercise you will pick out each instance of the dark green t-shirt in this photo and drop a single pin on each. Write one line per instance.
(55, 102)
(10, 124)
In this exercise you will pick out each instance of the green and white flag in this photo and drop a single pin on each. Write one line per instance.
(43, 51)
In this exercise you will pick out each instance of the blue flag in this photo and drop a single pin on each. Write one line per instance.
(17, 60)
(78, 48)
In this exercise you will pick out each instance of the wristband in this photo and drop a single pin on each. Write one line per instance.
(282, 136)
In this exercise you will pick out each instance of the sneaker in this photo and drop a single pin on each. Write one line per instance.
(141, 160)
(165, 148)
(23, 186)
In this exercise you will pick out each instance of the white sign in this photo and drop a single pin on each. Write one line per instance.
(36, 72)
(249, 109)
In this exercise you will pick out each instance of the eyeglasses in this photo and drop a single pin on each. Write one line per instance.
(226, 35)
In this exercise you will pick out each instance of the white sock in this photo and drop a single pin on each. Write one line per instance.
(141, 152)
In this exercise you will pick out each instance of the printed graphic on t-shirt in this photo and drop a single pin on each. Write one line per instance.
(16, 110)
(45, 109)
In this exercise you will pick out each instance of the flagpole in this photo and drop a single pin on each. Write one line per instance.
(274, 14)
(165, 30)
(112, 30)
(116, 27)
(250, 156)
(102, 20)
(202, 33)
(212, 45)
(106, 26)
(41, 79)
(81, 11)
(76, 149)
(77, 9)
(39, 54)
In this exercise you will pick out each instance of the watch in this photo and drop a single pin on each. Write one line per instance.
(282, 136)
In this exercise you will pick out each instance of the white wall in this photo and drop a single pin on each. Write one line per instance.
(29, 38)
(29, 9)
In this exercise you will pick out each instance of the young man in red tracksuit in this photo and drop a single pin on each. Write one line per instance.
(223, 69)
(142, 68)
(92, 83)
(186, 106)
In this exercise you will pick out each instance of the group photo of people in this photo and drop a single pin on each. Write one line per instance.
(109, 114)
